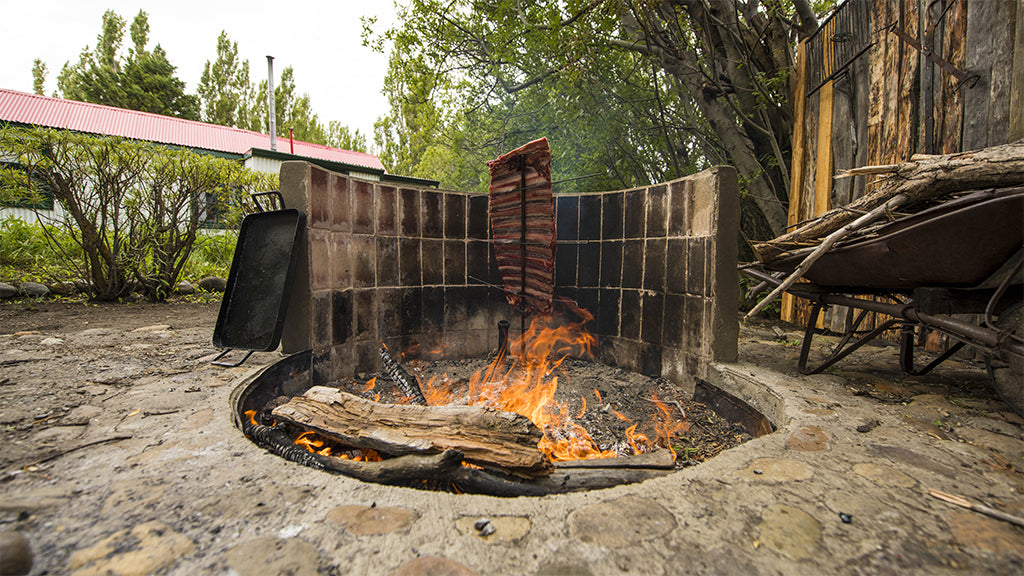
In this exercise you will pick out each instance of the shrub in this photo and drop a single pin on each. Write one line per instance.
(134, 209)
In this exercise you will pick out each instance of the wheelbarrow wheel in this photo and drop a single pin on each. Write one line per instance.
(1008, 375)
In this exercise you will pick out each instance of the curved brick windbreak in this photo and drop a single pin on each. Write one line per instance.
(413, 266)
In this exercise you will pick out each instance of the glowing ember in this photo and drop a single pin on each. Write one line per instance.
(527, 386)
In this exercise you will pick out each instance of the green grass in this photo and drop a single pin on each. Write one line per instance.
(27, 255)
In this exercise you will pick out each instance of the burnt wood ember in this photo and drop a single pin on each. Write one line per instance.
(523, 225)
(486, 437)
(277, 440)
(657, 460)
(403, 379)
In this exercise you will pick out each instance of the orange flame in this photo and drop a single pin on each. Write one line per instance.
(370, 384)
(311, 441)
(528, 387)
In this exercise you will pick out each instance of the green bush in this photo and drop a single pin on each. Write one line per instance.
(134, 210)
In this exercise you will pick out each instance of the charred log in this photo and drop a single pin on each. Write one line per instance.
(485, 436)
(400, 470)
(560, 482)
(275, 439)
(405, 381)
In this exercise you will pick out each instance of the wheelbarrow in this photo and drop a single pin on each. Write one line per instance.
(964, 256)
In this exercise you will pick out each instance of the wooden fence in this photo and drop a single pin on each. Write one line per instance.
(883, 80)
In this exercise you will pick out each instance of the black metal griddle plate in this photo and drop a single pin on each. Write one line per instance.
(256, 297)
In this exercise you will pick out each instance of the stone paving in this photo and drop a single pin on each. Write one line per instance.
(172, 487)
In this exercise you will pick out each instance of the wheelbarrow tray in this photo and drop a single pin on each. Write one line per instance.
(255, 299)
(957, 244)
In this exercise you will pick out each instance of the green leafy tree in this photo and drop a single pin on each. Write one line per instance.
(133, 208)
(226, 94)
(38, 76)
(341, 136)
(144, 80)
(631, 90)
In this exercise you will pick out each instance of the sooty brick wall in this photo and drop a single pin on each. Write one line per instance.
(413, 268)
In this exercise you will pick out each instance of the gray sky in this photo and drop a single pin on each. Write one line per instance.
(320, 40)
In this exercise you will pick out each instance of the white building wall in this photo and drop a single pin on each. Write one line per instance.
(30, 216)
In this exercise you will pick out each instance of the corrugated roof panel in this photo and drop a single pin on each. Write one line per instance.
(38, 110)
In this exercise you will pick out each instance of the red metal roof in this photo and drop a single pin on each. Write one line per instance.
(96, 119)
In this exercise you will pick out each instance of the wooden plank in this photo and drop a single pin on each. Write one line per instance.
(954, 51)
(981, 28)
(823, 181)
(891, 92)
(909, 84)
(860, 84)
(798, 168)
(1001, 60)
(1017, 82)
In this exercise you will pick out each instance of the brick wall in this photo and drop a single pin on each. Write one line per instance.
(413, 266)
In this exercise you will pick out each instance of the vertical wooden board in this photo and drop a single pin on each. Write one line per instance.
(823, 154)
(811, 166)
(1001, 60)
(981, 27)
(876, 64)
(1016, 121)
(862, 79)
(909, 86)
(797, 169)
(844, 136)
(953, 47)
(890, 134)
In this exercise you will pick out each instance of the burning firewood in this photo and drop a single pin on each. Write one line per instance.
(403, 379)
(486, 437)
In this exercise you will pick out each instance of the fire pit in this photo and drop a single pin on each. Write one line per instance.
(385, 269)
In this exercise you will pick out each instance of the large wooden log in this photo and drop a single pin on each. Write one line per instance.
(484, 436)
(926, 179)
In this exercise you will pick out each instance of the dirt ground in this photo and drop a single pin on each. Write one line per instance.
(117, 454)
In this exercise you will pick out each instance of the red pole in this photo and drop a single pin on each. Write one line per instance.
(291, 140)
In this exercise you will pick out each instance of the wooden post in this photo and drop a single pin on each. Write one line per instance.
(797, 170)
(1017, 81)
(823, 179)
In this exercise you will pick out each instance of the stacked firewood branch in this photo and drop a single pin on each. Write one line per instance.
(907, 187)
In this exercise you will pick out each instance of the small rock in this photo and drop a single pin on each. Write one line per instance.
(184, 288)
(479, 524)
(51, 341)
(213, 284)
(15, 554)
(153, 328)
(64, 288)
(7, 291)
(34, 289)
(868, 426)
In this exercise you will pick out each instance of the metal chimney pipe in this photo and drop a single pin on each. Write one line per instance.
(270, 103)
